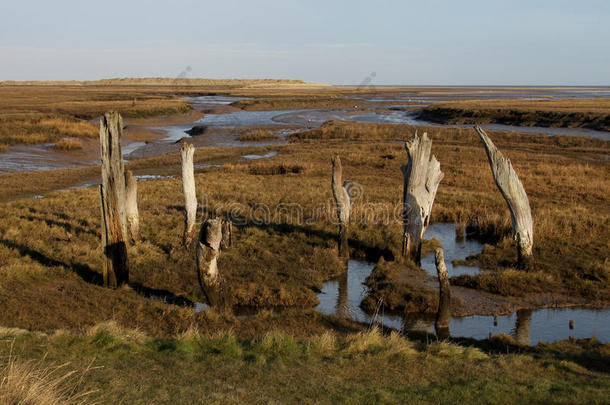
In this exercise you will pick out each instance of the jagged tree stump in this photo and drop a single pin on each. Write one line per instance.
(208, 250)
(342, 202)
(422, 175)
(518, 204)
(443, 316)
(190, 196)
(131, 206)
(112, 195)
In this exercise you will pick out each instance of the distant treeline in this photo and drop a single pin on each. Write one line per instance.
(164, 81)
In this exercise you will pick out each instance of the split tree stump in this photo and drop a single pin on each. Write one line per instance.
(422, 175)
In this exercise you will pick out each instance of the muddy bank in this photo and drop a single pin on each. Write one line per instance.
(508, 116)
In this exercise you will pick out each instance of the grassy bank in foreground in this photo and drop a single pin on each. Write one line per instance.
(115, 365)
(591, 113)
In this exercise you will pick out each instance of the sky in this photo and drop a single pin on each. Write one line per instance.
(434, 42)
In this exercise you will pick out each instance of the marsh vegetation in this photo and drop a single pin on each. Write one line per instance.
(284, 250)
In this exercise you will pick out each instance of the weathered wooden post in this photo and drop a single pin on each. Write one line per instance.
(190, 196)
(513, 192)
(131, 206)
(443, 316)
(208, 251)
(112, 196)
(342, 201)
(422, 175)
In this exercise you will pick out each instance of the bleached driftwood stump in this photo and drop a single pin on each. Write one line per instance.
(190, 196)
(131, 206)
(208, 251)
(342, 201)
(112, 196)
(422, 175)
(513, 192)
(443, 316)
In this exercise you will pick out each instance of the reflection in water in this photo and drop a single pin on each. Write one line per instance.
(522, 327)
(255, 157)
(454, 247)
(342, 302)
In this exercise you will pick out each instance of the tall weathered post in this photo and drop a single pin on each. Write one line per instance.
(518, 204)
(112, 196)
(190, 196)
(208, 251)
(342, 201)
(131, 206)
(422, 175)
(443, 316)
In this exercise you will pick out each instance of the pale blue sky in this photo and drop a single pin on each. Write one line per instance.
(552, 42)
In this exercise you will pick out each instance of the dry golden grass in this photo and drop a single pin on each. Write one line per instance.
(33, 383)
(41, 128)
(68, 144)
(257, 135)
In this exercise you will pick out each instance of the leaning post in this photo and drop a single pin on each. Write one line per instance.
(514, 194)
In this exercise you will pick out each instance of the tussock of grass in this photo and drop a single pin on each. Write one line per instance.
(444, 349)
(372, 342)
(257, 135)
(32, 383)
(509, 282)
(389, 288)
(68, 144)
(43, 129)
(111, 331)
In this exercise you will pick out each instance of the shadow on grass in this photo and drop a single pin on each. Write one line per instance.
(370, 253)
(166, 296)
(82, 270)
(587, 353)
(66, 225)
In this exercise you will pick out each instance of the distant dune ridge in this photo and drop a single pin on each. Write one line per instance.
(168, 81)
